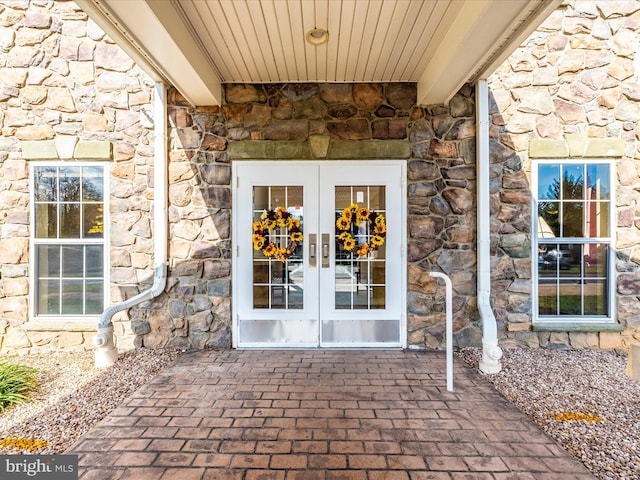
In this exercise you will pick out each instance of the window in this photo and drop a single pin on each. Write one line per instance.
(68, 239)
(574, 227)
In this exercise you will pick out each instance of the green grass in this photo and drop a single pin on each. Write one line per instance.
(16, 383)
(571, 305)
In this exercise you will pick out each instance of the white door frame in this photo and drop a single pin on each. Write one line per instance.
(291, 169)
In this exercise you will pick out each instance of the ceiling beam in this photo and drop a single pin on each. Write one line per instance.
(153, 34)
(469, 38)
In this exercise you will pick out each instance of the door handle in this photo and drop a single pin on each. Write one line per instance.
(325, 250)
(312, 249)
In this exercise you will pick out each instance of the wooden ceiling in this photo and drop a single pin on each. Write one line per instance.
(197, 45)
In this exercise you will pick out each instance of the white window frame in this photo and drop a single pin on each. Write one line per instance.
(56, 321)
(584, 320)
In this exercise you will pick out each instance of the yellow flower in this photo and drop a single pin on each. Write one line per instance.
(269, 224)
(353, 207)
(345, 235)
(258, 241)
(343, 223)
(295, 223)
(269, 250)
(257, 226)
(363, 214)
(349, 244)
(282, 254)
(377, 240)
(576, 416)
(380, 220)
(296, 237)
(363, 250)
(281, 222)
(382, 228)
(346, 213)
(20, 443)
(280, 211)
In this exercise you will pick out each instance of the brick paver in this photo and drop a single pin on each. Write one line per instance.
(317, 414)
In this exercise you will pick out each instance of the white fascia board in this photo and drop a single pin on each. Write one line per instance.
(482, 36)
(153, 34)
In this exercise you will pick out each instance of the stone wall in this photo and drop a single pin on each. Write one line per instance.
(311, 121)
(61, 77)
(574, 80)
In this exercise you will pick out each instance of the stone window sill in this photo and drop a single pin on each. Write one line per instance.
(577, 327)
(60, 325)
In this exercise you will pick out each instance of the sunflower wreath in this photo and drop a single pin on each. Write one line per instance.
(355, 215)
(270, 220)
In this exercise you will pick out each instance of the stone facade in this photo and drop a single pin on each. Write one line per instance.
(63, 81)
(317, 121)
(572, 85)
(571, 90)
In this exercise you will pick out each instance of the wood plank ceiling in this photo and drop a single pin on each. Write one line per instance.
(197, 45)
(261, 42)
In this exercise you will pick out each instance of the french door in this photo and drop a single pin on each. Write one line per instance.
(319, 254)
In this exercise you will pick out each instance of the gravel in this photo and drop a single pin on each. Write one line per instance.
(588, 387)
(582, 399)
(73, 396)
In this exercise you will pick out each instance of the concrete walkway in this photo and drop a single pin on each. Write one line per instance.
(319, 415)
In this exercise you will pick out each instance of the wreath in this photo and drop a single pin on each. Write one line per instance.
(353, 216)
(270, 220)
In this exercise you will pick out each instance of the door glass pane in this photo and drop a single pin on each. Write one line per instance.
(277, 240)
(360, 254)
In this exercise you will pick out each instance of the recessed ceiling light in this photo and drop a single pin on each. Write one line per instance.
(317, 36)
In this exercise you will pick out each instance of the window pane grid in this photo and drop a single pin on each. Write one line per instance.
(573, 240)
(68, 209)
(277, 284)
(360, 282)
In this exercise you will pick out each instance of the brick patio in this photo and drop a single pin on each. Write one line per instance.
(319, 415)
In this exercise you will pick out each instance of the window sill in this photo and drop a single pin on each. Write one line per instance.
(577, 327)
(42, 325)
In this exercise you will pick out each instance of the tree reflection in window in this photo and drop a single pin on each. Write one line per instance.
(69, 239)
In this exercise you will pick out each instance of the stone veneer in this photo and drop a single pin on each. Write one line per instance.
(571, 90)
(573, 83)
(317, 121)
(62, 81)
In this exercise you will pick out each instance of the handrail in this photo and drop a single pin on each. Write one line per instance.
(449, 326)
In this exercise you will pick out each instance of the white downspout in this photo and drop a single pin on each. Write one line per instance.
(106, 353)
(491, 352)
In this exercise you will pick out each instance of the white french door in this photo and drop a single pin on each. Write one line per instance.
(319, 254)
